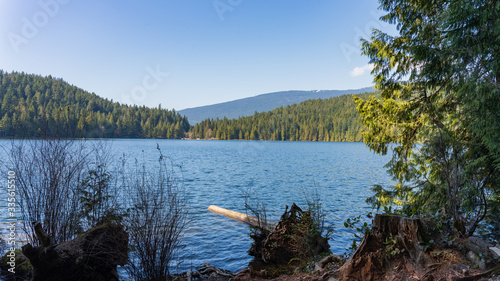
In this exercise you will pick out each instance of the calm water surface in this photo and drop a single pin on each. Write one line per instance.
(278, 173)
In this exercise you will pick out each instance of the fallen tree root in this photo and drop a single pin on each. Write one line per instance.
(475, 276)
(205, 272)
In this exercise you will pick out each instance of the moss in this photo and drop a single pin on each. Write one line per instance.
(23, 265)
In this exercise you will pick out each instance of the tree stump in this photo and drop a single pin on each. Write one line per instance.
(94, 255)
(391, 244)
(293, 242)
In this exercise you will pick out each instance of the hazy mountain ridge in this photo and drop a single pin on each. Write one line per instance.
(261, 103)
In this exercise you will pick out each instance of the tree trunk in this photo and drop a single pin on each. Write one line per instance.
(42, 236)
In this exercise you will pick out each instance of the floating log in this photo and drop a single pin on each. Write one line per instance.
(241, 217)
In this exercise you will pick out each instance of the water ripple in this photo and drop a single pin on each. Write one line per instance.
(278, 173)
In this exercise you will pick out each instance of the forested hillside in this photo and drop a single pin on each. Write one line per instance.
(36, 106)
(33, 106)
(333, 119)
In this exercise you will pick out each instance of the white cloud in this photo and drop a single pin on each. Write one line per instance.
(358, 71)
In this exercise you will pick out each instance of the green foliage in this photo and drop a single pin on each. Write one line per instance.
(391, 246)
(317, 211)
(439, 109)
(36, 106)
(425, 246)
(489, 229)
(95, 199)
(333, 119)
(359, 229)
(92, 192)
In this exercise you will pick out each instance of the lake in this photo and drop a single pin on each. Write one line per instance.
(278, 173)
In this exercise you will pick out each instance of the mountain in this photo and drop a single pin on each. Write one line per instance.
(260, 103)
(36, 106)
(332, 119)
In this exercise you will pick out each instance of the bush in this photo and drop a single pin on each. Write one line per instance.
(155, 221)
(47, 172)
(64, 184)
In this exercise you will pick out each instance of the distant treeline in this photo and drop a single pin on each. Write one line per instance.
(333, 119)
(36, 106)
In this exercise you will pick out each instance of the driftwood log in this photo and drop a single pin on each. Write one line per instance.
(241, 217)
(93, 255)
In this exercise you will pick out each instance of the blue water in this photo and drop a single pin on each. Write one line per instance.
(278, 173)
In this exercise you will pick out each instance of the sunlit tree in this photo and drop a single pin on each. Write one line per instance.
(439, 80)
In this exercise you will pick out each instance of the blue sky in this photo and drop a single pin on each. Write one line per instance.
(188, 53)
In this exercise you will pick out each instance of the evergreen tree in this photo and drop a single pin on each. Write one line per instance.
(439, 82)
